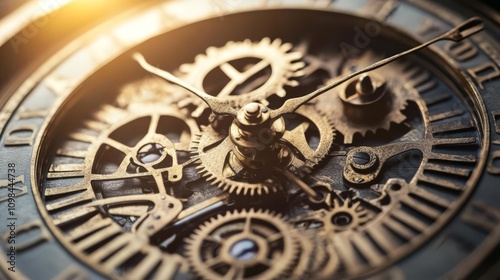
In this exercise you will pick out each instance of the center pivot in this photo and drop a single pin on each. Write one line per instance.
(255, 134)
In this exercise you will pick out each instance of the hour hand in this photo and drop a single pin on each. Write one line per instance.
(218, 106)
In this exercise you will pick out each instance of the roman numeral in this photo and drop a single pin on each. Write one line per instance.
(28, 236)
(19, 190)
(484, 72)
(461, 51)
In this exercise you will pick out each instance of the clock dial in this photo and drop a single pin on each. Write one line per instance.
(172, 142)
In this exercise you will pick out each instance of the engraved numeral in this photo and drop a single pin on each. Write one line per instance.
(27, 236)
(21, 134)
(496, 118)
(492, 167)
(24, 134)
(8, 184)
(461, 51)
(484, 72)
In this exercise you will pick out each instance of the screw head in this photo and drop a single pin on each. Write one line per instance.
(362, 158)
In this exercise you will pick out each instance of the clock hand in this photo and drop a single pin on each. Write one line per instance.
(458, 33)
(218, 106)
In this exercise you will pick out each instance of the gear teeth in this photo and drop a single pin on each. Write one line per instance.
(283, 62)
(206, 161)
(288, 253)
(325, 126)
(403, 93)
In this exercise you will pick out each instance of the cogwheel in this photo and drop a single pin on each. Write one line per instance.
(213, 152)
(344, 215)
(252, 244)
(370, 102)
(348, 215)
(265, 54)
(307, 141)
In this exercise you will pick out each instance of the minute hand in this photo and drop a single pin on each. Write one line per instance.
(458, 33)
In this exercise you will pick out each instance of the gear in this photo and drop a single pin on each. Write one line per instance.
(323, 136)
(243, 245)
(369, 103)
(257, 57)
(344, 215)
(152, 144)
(214, 153)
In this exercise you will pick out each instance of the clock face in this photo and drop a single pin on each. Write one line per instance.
(233, 139)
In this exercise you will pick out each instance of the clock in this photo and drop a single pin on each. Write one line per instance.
(230, 139)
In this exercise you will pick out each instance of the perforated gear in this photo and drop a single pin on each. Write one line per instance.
(253, 244)
(274, 54)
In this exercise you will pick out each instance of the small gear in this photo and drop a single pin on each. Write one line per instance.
(348, 215)
(214, 153)
(344, 215)
(252, 244)
(257, 56)
(369, 103)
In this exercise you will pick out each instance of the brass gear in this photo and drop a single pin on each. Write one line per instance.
(252, 244)
(345, 214)
(348, 215)
(398, 94)
(270, 53)
(213, 153)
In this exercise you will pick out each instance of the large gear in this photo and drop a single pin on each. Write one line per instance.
(357, 116)
(214, 151)
(252, 244)
(275, 54)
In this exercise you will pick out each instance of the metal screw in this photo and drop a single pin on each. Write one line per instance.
(362, 158)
